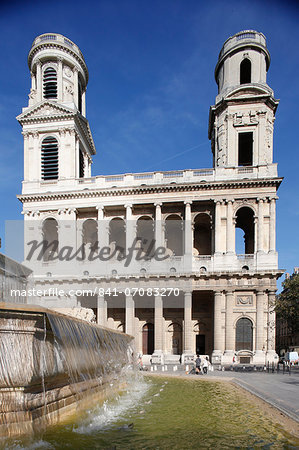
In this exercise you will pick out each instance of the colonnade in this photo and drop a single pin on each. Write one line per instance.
(226, 313)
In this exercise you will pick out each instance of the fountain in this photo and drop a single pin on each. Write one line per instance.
(53, 365)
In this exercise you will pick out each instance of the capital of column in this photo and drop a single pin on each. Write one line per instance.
(128, 206)
(158, 204)
(188, 202)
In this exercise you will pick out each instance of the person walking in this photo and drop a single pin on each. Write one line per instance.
(205, 365)
(197, 364)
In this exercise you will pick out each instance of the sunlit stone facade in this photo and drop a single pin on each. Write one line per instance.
(206, 295)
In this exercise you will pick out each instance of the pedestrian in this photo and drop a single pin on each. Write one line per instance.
(205, 365)
(197, 364)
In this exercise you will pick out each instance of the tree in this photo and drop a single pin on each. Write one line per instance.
(287, 303)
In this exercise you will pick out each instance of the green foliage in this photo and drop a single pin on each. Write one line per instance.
(287, 303)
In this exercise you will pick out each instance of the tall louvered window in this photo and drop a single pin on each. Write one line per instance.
(50, 83)
(49, 158)
(81, 164)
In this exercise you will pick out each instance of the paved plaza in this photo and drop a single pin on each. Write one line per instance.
(278, 389)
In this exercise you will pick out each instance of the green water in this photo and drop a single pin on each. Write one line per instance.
(160, 413)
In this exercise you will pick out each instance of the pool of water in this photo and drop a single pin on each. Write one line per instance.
(167, 413)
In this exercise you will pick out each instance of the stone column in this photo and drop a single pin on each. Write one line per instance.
(188, 230)
(39, 81)
(129, 227)
(188, 323)
(130, 314)
(230, 229)
(229, 324)
(272, 225)
(271, 354)
(102, 311)
(102, 238)
(158, 324)
(260, 225)
(59, 80)
(84, 103)
(259, 321)
(158, 226)
(218, 226)
(76, 81)
(218, 334)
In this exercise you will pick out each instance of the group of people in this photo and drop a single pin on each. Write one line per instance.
(201, 365)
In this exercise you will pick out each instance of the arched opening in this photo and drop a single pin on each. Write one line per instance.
(90, 233)
(49, 159)
(245, 71)
(50, 83)
(117, 234)
(50, 239)
(146, 235)
(202, 241)
(148, 339)
(245, 234)
(175, 331)
(174, 234)
(244, 334)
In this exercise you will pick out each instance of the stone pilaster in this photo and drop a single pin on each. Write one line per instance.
(229, 324)
(188, 229)
(158, 226)
(217, 227)
(218, 334)
(102, 310)
(271, 354)
(130, 314)
(260, 225)
(272, 240)
(129, 227)
(230, 230)
(188, 322)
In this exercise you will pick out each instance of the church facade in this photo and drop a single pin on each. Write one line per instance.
(154, 254)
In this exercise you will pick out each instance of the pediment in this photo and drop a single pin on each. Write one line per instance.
(247, 91)
(45, 111)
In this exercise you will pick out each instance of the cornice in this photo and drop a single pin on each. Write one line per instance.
(228, 275)
(57, 45)
(141, 190)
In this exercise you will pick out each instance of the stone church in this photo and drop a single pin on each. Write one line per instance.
(154, 254)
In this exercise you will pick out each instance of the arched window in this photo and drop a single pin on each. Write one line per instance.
(50, 83)
(49, 159)
(50, 239)
(244, 334)
(117, 235)
(145, 234)
(245, 71)
(90, 232)
(202, 235)
(245, 222)
(174, 234)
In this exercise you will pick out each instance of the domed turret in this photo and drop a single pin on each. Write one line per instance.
(58, 71)
(244, 59)
(241, 121)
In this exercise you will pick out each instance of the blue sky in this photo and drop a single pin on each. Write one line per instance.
(151, 66)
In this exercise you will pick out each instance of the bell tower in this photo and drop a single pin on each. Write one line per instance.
(241, 121)
(58, 144)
